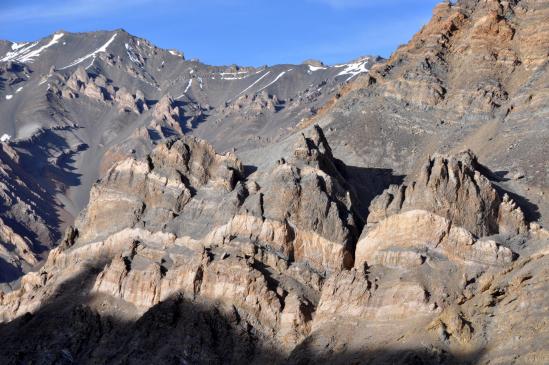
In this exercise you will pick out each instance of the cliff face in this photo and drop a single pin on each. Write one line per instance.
(475, 77)
(279, 252)
(27, 211)
(73, 104)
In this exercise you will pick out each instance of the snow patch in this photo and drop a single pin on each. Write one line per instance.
(132, 55)
(316, 68)
(5, 137)
(188, 86)
(8, 97)
(103, 48)
(23, 52)
(353, 69)
(239, 75)
(15, 46)
(255, 82)
(20, 52)
(29, 57)
(275, 80)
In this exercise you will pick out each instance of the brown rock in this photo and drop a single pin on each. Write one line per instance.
(452, 187)
(421, 230)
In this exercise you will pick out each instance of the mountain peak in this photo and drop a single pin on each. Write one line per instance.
(285, 214)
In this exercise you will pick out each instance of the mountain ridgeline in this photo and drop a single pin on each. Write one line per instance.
(159, 210)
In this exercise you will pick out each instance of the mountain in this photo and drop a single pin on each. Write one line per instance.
(75, 103)
(475, 77)
(377, 212)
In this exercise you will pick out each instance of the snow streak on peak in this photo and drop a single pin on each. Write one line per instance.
(15, 46)
(23, 53)
(354, 69)
(175, 53)
(316, 68)
(188, 85)
(29, 57)
(255, 82)
(132, 55)
(239, 75)
(275, 80)
(103, 48)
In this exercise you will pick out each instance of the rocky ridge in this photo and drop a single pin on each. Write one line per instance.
(264, 260)
(276, 251)
(102, 97)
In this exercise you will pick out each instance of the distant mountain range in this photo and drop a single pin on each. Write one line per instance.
(74, 103)
(159, 210)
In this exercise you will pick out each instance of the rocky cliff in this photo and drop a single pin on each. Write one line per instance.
(278, 253)
(292, 214)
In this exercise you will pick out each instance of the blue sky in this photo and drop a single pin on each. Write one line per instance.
(245, 32)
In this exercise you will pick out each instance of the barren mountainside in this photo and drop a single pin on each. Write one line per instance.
(159, 210)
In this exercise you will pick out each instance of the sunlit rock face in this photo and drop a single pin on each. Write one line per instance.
(183, 221)
(281, 254)
(225, 226)
(455, 188)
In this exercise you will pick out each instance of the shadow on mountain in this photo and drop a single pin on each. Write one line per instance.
(530, 210)
(54, 172)
(8, 272)
(248, 170)
(49, 161)
(66, 330)
(499, 175)
(30, 192)
(302, 355)
(367, 183)
(45, 168)
(154, 135)
(69, 329)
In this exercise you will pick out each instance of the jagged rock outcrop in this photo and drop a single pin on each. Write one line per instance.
(153, 191)
(436, 67)
(443, 213)
(81, 83)
(99, 88)
(454, 188)
(153, 230)
(425, 234)
(129, 102)
(351, 293)
(184, 255)
(316, 201)
(166, 114)
(511, 220)
(301, 209)
(15, 250)
(277, 257)
(250, 106)
(12, 72)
